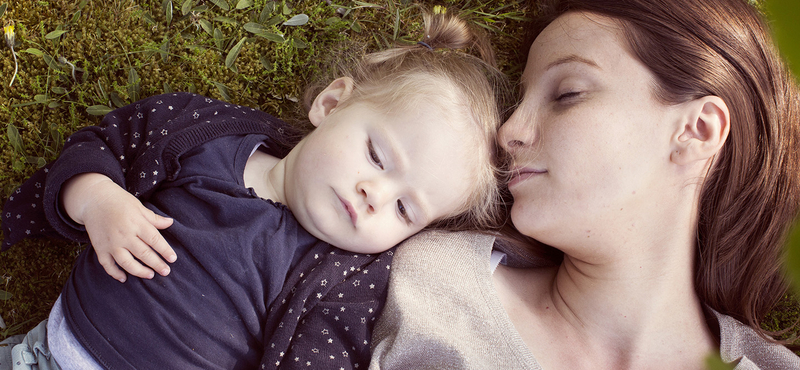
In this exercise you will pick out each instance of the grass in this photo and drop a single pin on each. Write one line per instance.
(80, 59)
(256, 53)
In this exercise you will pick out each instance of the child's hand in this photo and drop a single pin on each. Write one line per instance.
(119, 226)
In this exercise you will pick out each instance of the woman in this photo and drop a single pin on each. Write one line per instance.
(656, 146)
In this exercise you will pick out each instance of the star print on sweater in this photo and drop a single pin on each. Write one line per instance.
(324, 317)
(146, 137)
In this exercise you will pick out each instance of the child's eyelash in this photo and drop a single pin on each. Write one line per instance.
(374, 155)
(402, 209)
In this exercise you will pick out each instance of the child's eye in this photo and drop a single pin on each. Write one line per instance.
(402, 209)
(373, 155)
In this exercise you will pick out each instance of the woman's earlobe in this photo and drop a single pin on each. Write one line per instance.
(703, 132)
(327, 100)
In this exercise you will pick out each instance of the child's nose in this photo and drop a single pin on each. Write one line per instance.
(375, 194)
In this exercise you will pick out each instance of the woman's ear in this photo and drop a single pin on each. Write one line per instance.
(703, 129)
(338, 91)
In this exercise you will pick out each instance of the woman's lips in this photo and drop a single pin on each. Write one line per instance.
(520, 174)
(350, 210)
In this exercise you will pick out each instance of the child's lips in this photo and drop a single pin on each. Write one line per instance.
(350, 210)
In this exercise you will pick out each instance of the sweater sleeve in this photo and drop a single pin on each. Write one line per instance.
(110, 149)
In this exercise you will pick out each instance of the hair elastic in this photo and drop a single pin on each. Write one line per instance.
(425, 44)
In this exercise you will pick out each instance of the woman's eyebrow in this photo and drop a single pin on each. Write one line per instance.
(572, 59)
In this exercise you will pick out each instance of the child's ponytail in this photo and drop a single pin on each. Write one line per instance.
(447, 31)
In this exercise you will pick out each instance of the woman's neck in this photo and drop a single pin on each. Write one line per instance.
(632, 308)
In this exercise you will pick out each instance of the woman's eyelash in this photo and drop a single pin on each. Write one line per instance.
(402, 209)
(567, 95)
(374, 155)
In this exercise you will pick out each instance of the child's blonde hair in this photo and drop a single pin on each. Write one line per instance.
(439, 66)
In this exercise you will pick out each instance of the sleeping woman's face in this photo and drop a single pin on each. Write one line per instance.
(589, 140)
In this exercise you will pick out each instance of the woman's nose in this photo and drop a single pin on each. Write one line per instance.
(375, 195)
(517, 131)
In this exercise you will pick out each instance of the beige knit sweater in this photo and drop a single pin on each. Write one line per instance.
(442, 313)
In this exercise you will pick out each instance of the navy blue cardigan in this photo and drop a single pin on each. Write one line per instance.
(141, 147)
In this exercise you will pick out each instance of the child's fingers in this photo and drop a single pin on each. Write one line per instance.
(111, 267)
(126, 261)
(154, 239)
(148, 255)
(160, 222)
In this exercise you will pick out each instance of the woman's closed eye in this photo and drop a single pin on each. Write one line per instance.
(401, 209)
(567, 96)
(373, 155)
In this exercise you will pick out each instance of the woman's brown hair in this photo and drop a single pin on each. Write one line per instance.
(750, 196)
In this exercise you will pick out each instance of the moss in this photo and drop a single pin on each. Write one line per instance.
(105, 39)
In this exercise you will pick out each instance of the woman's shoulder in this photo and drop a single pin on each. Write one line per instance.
(742, 345)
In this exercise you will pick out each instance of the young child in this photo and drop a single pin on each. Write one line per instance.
(404, 142)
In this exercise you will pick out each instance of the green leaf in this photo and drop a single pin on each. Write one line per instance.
(98, 110)
(332, 20)
(222, 4)
(167, 5)
(355, 26)
(286, 9)
(223, 91)
(55, 34)
(274, 20)
(227, 20)
(396, 24)
(75, 17)
(244, 4)
(164, 51)
(297, 43)
(269, 66)
(367, 5)
(206, 26)
(268, 8)
(116, 100)
(4, 296)
(14, 138)
(272, 37)
(231, 58)
(219, 39)
(297, 20)
(187, 7)
(59, 90)
(167, 88)
(40, 98)
(254, 27)
(149, 19)
(3, 9)
(134, 85)
(33, 51)
(83, 4)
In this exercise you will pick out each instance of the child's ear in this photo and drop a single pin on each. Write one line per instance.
(329, 99)
(702, 130)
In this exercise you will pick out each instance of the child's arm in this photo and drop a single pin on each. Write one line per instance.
(119, 226)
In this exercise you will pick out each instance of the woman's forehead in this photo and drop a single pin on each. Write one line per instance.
(576, 36)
